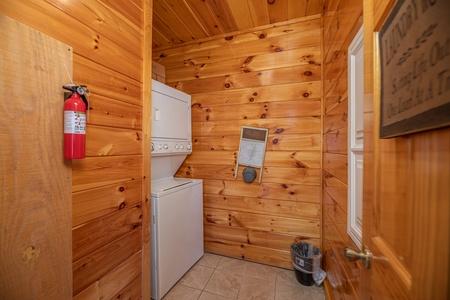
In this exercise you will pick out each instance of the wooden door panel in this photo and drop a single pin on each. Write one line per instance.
(35, 205)
(406, 195)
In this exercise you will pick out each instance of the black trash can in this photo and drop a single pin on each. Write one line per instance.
(306, 261)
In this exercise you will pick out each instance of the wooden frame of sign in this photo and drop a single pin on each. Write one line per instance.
(252, 148)
(415, 67)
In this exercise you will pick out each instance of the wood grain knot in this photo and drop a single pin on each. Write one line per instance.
(279, 130)
(31, 253)
(284, 186)
(305, 95)
(121, 189)
(251, 99)
(299, 164)
(122, 205)
(262, 36)
(229, 38)
(308, 73)
(227, 85)
(263, 116)
(275, 141)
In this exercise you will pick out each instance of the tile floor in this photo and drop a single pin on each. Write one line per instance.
(216, 277)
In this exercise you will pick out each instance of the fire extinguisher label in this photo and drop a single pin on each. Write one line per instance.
(74, 122)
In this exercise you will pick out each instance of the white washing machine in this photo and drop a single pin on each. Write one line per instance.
(176, 203)
(177, 231)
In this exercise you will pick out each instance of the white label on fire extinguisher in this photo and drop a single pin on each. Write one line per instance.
(74, 122)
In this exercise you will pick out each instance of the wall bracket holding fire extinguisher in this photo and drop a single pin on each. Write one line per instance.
(75, 107)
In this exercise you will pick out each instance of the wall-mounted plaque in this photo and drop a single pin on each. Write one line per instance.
(415, 67)
(252, 148)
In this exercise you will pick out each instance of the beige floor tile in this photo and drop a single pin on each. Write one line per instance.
(261, 271)
(287, 277)
(232, 265)
(317, 293)
(288, 292)
(209, 260)
(211, 296)
(224, 284)
(197, 277)
(216, 277)
(255, 288)
(181, 292)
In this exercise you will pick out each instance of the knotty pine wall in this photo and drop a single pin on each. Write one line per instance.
(342, 20)
(107, 41)
(271, 78)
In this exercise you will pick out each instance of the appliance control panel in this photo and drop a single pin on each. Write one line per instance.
(170, 147)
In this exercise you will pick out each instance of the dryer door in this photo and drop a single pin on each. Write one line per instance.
(171, 114)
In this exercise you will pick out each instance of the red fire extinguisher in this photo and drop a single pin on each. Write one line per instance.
(74, 125)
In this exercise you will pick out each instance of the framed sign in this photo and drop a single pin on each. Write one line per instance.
(414, 45)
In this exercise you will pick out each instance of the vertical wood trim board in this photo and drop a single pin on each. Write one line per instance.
(36, 205)
(146, 150)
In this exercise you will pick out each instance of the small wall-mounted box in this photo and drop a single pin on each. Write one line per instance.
(158, 72)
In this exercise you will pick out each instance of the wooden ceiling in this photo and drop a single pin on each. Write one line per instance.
(181, 21)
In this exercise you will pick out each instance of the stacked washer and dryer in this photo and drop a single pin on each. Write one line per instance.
(177, 203)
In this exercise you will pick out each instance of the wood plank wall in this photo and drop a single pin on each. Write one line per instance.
(269, 77)
(342, 19)
(107, 40)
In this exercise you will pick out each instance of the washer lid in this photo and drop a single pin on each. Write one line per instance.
(167, 184)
